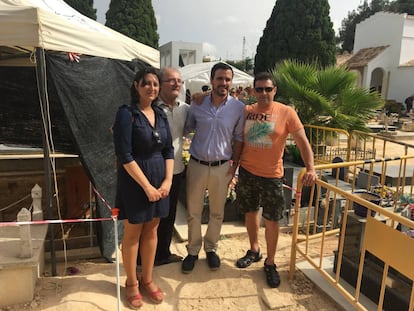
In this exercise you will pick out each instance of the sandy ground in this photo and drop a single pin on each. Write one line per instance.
(229, 288)
(93, 287)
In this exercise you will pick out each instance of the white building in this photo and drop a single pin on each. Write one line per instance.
(179, 54)
(384, 54)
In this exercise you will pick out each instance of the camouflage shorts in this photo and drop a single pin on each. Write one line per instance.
(255, 191)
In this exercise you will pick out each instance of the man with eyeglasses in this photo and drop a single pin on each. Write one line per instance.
(215, 150)
(267, 125)
(176, 111)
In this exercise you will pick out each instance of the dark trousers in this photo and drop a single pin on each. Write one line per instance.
(166, 226)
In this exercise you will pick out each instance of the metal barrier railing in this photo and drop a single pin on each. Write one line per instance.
(327, 143)
(374, 146)
(375, 252)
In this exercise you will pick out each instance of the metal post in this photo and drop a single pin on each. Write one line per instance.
(41, 77)
(115, 212)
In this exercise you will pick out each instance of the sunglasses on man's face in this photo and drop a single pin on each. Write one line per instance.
(261, 89)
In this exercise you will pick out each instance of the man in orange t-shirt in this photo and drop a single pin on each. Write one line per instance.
(267, 125)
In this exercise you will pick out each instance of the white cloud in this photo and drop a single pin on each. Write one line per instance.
(209, 49)
(227, 20)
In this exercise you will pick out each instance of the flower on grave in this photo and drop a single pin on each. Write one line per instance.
(385, 192)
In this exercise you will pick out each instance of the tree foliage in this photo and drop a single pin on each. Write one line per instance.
(325, 96)
(84, 7)
(402, 6)
(135, 19)
(297, 29)
(347, 31)
(244, 65)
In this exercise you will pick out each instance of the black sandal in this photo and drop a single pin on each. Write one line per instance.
(249, 258)
(272, 276)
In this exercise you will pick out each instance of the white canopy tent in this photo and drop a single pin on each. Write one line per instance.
(197, 75)
(28, 29)
(54, 25)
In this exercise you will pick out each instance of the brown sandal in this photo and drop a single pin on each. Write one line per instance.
(156, 296)
(134, 301)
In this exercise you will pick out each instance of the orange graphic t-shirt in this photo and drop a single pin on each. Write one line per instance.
(265, 133)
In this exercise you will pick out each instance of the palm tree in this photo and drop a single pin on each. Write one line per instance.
(325, 96)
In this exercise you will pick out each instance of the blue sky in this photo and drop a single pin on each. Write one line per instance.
(221, 25)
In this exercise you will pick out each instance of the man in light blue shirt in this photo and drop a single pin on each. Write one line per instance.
(215, 151)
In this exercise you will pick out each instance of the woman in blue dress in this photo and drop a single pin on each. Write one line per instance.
(144, 151)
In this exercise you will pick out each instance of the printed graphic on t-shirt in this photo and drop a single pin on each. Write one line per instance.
(258, 129)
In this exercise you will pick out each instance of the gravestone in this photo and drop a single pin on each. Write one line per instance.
(342, 170)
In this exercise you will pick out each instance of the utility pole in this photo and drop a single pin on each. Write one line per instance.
(244, 52)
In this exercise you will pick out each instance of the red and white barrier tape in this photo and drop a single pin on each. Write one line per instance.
(114, 213)
(298, 193)
(102, 199)
(51, 221)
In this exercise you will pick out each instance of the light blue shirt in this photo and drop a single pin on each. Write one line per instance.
(215, 128)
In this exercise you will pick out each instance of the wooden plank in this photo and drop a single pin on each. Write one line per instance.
(35, 156)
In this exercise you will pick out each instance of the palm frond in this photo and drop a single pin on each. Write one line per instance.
(329, 92)
(331, 79)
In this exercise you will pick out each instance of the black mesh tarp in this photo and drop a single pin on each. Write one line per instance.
(20, 117)
(84, 98)
(90, 93)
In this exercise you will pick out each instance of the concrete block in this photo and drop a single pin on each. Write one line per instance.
(18, 276)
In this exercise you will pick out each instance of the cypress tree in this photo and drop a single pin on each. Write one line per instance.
(297, 29)
(84, 7)
(135, 19)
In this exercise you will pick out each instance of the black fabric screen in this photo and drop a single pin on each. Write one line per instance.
(90, 93)
(20, 117)
(84, 98)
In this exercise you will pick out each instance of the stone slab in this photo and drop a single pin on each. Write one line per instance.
(18, 276)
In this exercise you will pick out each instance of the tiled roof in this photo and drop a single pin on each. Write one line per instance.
(342, 58)
(364, 56)
(410, 63)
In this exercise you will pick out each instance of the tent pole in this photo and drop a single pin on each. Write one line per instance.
(46, 126)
